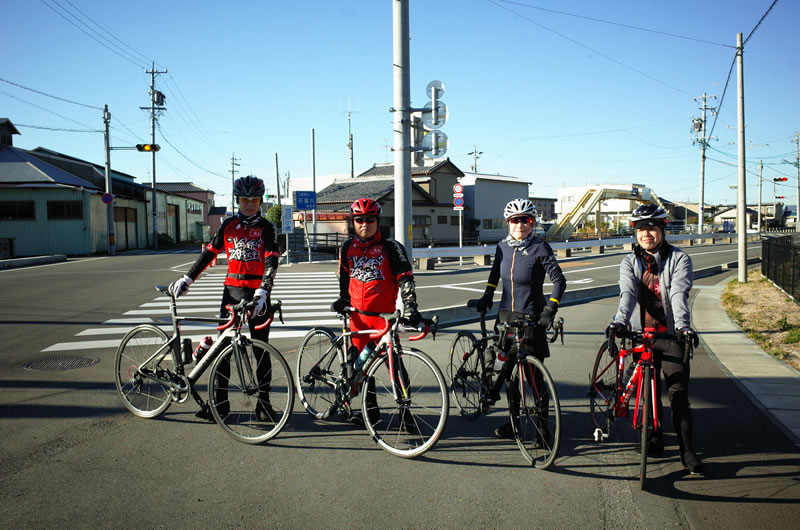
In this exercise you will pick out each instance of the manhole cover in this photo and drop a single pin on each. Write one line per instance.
(61, 363)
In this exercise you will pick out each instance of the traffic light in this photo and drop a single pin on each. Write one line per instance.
(780, 197)
(147, 148)
(779, 179)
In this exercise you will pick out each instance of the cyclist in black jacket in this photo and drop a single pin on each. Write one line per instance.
(522, 260)
(251, 244)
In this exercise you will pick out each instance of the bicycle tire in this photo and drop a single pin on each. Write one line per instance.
(465, 374)
(536, 421)
(237, 412)
(604, 390)
(410, 426)
(316, 391)
(141, 395)
(647, 420)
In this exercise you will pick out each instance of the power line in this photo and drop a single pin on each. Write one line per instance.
(49, 95)
(759, 22)
(618, 24)
(588, 48)
(186, 157)
(56, 128)
(46, 110)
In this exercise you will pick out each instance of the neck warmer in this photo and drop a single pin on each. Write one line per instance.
(524, 242)
(249, 221)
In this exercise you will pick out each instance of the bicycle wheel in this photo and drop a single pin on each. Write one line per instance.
(142, 395)
(409, 425)
(251, 394)
(535, 411)
(646, 424)
(318, 366)
(464, 372)
(604, 390)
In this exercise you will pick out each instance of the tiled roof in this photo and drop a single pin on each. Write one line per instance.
(179, 187)
(385, 170)
(341, 194)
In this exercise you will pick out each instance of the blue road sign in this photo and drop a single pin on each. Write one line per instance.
(306, 200)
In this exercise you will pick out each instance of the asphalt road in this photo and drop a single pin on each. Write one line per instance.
(74, 457)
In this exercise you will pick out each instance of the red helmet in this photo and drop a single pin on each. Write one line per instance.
(365, 207)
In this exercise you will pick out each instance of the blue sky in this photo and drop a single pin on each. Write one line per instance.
(559, 93)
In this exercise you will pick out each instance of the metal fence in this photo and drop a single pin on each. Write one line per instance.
(780, 262)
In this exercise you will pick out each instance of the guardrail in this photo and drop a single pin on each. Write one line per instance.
(426, 258)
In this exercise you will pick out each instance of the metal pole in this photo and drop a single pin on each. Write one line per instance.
(760, 167)
(460, 242)
(153, 141)
(112, 248)
(314, 184)
(278, 179)
(797, 201)
(702, 169)
(741, 211)
(402, 129)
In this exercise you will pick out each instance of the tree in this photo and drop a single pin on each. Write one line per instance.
(274, 216)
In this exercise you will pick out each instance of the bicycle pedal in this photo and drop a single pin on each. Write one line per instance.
(599, 435)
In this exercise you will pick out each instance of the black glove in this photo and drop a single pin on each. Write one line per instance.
(616, 328)
(411, 315)
(338, 306)
(689, 335)
(485, 302)
(547, 315)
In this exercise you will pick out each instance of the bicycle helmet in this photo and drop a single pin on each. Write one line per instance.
(249, 186)
(649, 215)
(519, 207)
(365, 207)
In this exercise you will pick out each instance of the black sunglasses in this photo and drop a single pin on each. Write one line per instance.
(362, 220)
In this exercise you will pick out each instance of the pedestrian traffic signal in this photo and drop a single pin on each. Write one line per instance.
(779, 179)
(147, 147)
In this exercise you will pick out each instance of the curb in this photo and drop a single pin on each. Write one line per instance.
(16, 263)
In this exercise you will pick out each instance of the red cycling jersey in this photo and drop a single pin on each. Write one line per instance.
(370, 273)
(252, 249)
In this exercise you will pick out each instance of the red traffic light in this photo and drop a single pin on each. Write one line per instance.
(780, 197)
(147, 147)
(779, 179)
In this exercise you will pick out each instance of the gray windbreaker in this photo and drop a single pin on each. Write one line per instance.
(675, 277)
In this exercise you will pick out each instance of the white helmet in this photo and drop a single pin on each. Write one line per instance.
(519, 207)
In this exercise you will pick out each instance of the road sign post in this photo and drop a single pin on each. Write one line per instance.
(458, 204)
(287, 226)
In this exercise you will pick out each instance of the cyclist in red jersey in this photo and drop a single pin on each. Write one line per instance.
(251, 245)
(372, 270)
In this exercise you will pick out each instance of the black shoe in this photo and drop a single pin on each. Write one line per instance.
(204, 414)
(407, 423)
(655, 446)
(265, 413)
(691, 462)
(505, 431)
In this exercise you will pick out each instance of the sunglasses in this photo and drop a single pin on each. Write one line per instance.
(523, 220)
(363, 220)
(249, 199)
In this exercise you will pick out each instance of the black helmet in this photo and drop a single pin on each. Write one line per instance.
(649, 215)
(249, 186)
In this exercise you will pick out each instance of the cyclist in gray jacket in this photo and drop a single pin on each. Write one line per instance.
(654, 282)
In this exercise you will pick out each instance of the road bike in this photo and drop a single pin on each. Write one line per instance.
(410, 400)
(534, 408)
(150, 374)
(621, 372)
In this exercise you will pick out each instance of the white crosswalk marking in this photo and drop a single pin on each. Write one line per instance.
(306, 300)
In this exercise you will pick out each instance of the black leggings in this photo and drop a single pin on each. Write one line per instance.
(232, 296)
(668, 358)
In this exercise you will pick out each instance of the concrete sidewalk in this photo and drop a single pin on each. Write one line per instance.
(771, 385)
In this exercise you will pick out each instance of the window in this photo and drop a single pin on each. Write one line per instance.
(453, 220)
(442, 219)
(493, 224)
(64, 209)
(13, 210)
(421, 220)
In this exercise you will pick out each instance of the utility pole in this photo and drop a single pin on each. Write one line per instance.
(314, 184)
(234, 163)
(112, 248)
(401, 107)
(278, 179)
(350, 139)
(797, 196)
(700, 126)
(155, 97)
(475, 155)
(760, 168)
(741, 210)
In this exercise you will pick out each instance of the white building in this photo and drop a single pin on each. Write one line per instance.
(485, 196)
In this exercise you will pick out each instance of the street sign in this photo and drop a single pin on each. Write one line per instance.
(458, 188)
(441, 115)
(437, 86)
(458, 207)
(107, 198)
(458, 202)
(306, 200)
(287, 224)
